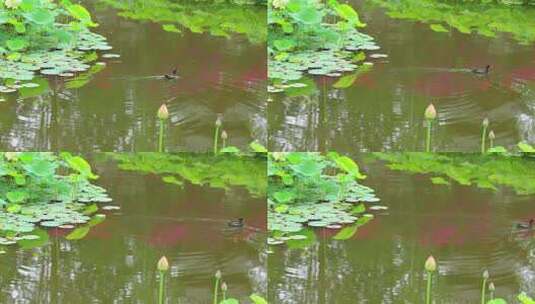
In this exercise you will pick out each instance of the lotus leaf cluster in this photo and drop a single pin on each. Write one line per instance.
(45, 190)
(313, 190)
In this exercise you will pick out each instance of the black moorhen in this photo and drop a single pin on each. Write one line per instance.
(529, 225)
(482, 71)
(173, 75)
(238, 223)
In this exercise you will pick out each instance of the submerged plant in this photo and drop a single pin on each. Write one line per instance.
(163, 115)
(430, 267)
(163, 267)
(430, 115)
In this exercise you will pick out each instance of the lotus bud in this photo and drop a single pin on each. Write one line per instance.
(430, 112)
(492, 136)
(491, 287)
(219, 120)
(431, 264)
(163, 264)
(218, 274)
(224, 135)
(163, 113)
(224, 287)
(485, 122)
(485, 274)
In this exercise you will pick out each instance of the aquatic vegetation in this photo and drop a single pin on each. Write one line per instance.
(46, 190)
(487, 171)
(45, 37)
(222, 171)
(307, 36)
(313, 190)
(431, 267)
(487, 18)
(220, 287)
(217, 18)
(254, 147)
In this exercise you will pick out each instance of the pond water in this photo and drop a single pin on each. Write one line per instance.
(116, 261)
(465, 228)
(116, 109)
(383, 109)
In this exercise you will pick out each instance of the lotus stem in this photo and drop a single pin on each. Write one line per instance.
(428, 137)
(430, 267)
(428, 290)
(224, 288)
(484, 286)
(491, 290)
(218, 123)
(430, 114)
(485, 125)
(492, 136)
(160, 138)
(161, 292)
(216, 287)
(224, 137)
(163, 267)
(163, 115)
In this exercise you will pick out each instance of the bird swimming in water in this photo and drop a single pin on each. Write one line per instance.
(238, 223)
(529, 225)
(173, 75)
(482, 71)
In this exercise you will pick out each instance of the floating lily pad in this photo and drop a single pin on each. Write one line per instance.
(329, 62)
(111, 208)
(271, 241)
(56, 62)
(111, 56)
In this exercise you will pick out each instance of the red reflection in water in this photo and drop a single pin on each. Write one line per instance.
(448, 84)
(524, 73)
(172, 234)
(457, 225)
